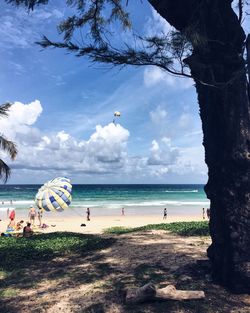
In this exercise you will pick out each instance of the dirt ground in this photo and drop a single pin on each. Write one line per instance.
(97, 282)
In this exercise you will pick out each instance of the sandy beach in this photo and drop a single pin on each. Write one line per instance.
(98, 223)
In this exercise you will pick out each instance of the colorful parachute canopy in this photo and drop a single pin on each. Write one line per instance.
(55, 195)
(117, 113)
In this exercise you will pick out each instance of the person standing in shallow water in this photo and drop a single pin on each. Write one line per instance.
(165, 214)
(32, 215)
(203, 213)
(208, 214)
(88, 214)
(123, 213)
(39, 216)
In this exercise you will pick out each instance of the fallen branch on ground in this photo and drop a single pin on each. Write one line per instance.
(149, 292)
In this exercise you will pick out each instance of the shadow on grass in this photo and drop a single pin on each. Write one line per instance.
(99, 270)
(25, 262)
(21, 252)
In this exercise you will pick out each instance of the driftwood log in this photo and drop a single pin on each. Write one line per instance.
(149, 292)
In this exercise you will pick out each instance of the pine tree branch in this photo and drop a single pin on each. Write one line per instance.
(5, 171)
(29, 4)
(4, 108)
(240, 7)
(157, 52)
(8, 146)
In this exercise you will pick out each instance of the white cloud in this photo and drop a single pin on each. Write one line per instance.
(156, 25)
(21, 116)
(158, 116)
(163, 153)
(185, 120)
(105, 152)
(11, 33)
(62, 136)
(108, 143)
(154, 75)
(102, 153)
(190, 160)
(20, 29)
(44, 14)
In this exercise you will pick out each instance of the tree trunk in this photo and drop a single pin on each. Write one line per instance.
(218, 68)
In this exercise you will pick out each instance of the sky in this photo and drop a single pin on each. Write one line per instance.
(63, 109)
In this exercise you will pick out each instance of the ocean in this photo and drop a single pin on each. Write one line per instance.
(143, 199)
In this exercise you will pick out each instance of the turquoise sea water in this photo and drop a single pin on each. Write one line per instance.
(109, 199)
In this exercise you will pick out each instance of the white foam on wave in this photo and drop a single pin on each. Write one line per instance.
(170, 202)
(114, 205)
(180, 191)
(20, 202)
(5, 209)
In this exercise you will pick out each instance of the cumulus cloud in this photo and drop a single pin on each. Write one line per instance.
(20, 117)
(102, 153)
(163, 153)
(105, 152)
(190, 160)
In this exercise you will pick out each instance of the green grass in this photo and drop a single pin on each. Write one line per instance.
(8, 293)
(180, 228)
(18, 252)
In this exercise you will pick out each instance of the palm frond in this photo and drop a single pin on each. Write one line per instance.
(4, 108)
(8, 146)
(4, 171)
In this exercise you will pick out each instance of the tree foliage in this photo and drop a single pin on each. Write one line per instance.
(6, 145)
(89, 32)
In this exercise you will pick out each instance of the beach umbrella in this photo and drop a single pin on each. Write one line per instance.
(55, 195)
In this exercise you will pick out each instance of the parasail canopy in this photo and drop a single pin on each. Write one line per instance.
(55, 195)
(117, 113)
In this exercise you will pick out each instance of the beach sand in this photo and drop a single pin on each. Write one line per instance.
(98, 223)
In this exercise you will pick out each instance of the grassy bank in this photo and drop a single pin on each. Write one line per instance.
(20, 252)
(180, 228)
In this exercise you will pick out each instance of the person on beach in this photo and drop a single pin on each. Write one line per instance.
(39, 216)
(32, 215)
(19, 225)
(6, 235)
(12, 214)
(208, 214)
(123, 212)
(88, 214)
(165, 214)
(27, 231)
(8, 212)
(203, 213)
(11, 226)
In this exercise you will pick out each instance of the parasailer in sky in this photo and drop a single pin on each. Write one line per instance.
(116, 114)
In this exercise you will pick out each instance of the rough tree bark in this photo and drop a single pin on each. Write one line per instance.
(218, 40)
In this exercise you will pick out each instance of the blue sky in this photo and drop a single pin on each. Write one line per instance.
(63, 109)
